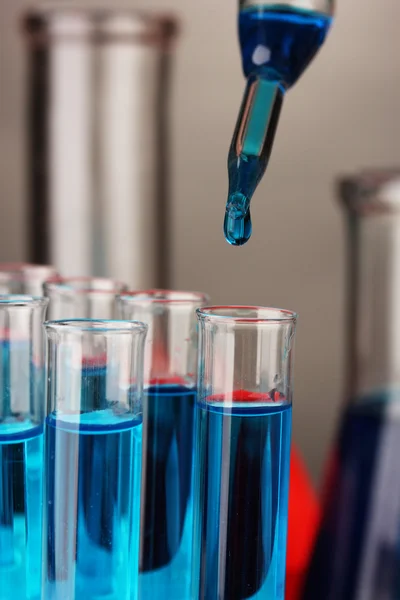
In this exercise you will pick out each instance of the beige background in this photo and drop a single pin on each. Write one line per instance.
(343, 114)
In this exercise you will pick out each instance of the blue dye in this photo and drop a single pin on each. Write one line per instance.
(357, 553)
(292, 36)
(241, 501)
(277, 45)
(92, 493)
(166, 537)
(21, 473)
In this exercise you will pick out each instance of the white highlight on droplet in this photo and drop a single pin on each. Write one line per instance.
(261, 55)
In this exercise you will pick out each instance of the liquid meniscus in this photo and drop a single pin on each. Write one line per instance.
(277, 45)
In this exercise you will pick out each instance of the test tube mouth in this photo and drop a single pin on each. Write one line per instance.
(98, 24)
(159, 296)
(371, 191)
(22, 300)
(21, 270)
(246, 315)
(100, 326)
(84, 285)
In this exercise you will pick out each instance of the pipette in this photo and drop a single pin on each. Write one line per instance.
(278, 41)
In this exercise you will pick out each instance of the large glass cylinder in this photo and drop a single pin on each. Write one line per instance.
(98, 141)
(357, 554)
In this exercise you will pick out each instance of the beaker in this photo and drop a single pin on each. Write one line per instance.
(23, 278)
(242, 452)
(98, 140)
(357, 553)
(93, 445)
(22, 379)
(82, 297)
(170, 390)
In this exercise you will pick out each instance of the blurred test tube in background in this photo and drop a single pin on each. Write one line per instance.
(98, 91)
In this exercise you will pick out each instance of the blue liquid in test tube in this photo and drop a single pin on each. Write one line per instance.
(93, 454)
(245, 468)
(168, 436)
(168, 500)
(21, 447)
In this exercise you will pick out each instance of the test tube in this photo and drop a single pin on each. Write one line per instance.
(93, 445)
(82, 297)
(170, 391)
(21, 444)
(24, 278)
(242, 452)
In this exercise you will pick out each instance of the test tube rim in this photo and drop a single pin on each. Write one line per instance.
(171, 297)
(105, 326)
(211, 314)
(155, 28)
(16, 269)
(57, 284)
(22, 300)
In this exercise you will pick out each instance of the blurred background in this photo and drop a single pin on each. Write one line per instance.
(341, 116)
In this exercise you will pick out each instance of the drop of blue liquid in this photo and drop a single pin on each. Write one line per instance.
(237, 222)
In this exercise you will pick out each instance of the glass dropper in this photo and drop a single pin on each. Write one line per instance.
(278, 41)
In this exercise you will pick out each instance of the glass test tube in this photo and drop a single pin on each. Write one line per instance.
(24, 278)
(21, 444)
(242, 453)
(170, 382)
(82, 297)
(93, 445)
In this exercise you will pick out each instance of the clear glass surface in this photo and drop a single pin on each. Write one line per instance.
(24, 278)
(83, 297)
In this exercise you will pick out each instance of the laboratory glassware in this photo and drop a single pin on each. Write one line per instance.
(357, 553)
(23, 278)
(22, 379)
(93, 444)
(98, 81)
(82, 297)
(278, 40)
(242, 452)
(170, 392)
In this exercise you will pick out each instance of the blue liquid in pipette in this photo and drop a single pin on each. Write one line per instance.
(277, 45)
(21, 472)
(92, 518)
(357, 554)
(241, 502)
(166, 544)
